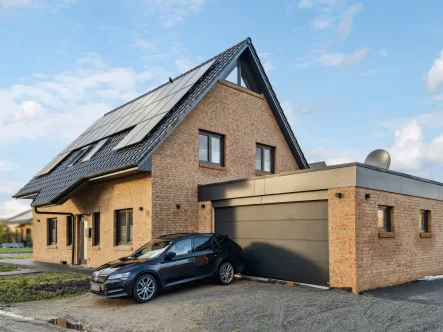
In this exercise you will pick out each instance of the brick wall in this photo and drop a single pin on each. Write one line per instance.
(361, 260)
(130, 192)
(245, 119)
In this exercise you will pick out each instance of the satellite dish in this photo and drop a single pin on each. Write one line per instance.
(379, 158)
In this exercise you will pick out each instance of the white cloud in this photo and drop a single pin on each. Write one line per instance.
(434, 77)
(338, 59)
(10, 187)
(7, 166)
(312, 3)
(173, 12)
(28, 111)
(268, 66)
(345, 25)
(183, 65)
(408, 149)
(383, 52)
(53, 5)
(322, 23)
(142, 44)
(267, 61)
(333, 155)
(93, 59)
(11, 208)
(292, 112)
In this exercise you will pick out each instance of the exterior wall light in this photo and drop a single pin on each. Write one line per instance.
(177, 206)
(203, 206)
(367, 196)
(339, 195)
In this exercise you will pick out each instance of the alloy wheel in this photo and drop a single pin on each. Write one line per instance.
(145, 288)
(226, 273)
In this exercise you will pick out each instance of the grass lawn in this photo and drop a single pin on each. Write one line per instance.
(13, 250)
(15, 257)
(39, 286)
(7, 268)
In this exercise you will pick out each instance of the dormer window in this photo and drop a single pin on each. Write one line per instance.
(78, 155)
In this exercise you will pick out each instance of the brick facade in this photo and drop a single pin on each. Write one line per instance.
(361, 260)
(131, 192)
(243, 117)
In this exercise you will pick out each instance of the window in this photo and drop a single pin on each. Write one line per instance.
(211, 148)
(96, 228)
(96, 148)
(264, 159)
(384, 219)
(202, 243)
(78, 155)
(182, 247)
(69, 230)
(52, 231)
(424, 221)
(124, 226)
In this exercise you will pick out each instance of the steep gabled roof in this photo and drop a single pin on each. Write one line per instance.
(135, 130)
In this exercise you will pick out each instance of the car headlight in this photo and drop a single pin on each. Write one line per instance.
(119, 276)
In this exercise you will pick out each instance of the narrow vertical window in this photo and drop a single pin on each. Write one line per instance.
(424, 221)
(96, 228)
(52, 231)
(264, 159)
(69, 230)
(384, 219)
(203, 147)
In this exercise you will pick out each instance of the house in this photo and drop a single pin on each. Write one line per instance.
(202, 154)
(134, 174)
(21, 226)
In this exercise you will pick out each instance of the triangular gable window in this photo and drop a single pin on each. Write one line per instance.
(233, 78)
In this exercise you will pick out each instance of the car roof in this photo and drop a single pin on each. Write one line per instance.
(176, 236)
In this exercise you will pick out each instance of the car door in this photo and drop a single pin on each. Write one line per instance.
(181, 266)
(204, 255)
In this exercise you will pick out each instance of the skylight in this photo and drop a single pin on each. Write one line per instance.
(79, 154)
(96, 148)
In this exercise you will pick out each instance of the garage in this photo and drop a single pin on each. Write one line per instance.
(286, 241)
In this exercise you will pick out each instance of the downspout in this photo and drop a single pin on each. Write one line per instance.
(73, 226)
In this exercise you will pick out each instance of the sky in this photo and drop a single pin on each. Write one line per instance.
(352, 76)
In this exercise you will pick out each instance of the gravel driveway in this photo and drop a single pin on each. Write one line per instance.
(242, 306)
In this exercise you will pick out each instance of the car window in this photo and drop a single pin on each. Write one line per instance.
(202, 243)
(182, 247)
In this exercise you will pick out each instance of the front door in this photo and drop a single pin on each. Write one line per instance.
(83, 240)
(181, 267)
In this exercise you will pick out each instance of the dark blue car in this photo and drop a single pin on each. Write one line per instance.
(170, 260)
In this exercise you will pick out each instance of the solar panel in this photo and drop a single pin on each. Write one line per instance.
(143, 113)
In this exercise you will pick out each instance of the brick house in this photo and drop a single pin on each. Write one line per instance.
(212, 150)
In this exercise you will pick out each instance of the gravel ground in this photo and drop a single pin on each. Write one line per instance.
(8, 324)
(242, 306)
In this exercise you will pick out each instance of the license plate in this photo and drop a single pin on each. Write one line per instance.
(95, 287)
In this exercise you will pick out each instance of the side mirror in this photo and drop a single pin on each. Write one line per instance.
(170, 255)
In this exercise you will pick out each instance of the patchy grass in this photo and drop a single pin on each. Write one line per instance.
(40, 286)
(16, 257)
(7, 268)
(13, 250)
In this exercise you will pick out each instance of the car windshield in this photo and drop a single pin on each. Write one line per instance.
(151, 249)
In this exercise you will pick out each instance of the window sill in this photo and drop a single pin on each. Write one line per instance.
(213, 166)
(123, 247)
(386, 234)
(260, 173)
(425, 235)
(96, 247)
(52, 246)
(69, 247)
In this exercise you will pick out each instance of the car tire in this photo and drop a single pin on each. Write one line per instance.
(226, 273)
(145, 288)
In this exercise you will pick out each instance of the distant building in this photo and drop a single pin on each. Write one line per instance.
(21, 225)
(316, 165)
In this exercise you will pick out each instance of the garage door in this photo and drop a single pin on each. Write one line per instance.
(287, 241)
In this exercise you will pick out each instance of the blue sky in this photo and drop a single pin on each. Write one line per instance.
(352, 76)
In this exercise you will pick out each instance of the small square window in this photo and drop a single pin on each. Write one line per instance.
(424, 221)
(211, 148)
(264, 159)
(384, 219)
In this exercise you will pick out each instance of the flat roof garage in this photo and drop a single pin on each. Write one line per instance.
(350, 226)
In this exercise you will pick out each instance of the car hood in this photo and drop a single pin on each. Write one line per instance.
(106, 269)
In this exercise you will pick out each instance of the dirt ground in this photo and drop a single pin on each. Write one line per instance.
(242, 306)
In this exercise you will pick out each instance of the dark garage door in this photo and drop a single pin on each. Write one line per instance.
(286, 241)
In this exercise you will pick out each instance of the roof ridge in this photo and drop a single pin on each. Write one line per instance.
(18, 215)
(248, 39)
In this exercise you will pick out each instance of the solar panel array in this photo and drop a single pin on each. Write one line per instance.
(142, 113)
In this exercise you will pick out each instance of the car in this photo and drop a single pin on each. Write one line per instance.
(167, 261)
